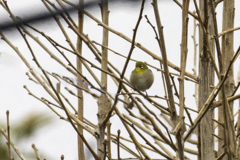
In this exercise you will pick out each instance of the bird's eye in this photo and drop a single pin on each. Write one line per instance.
(141, 66)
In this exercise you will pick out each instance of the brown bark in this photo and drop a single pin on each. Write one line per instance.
(103, 102)
(227, 54)
(184, 51)
(206, 79)
(238, 131)
(81, 155)
(161, 40)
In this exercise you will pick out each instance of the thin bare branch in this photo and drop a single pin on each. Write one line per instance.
(212, 96)
(189, 12)
(227, 31)
(12, 144)
(162, 46)
(129, 40)
(36, 152)
(9, 140)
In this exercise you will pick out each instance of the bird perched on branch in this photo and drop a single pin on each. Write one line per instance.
(141, 77)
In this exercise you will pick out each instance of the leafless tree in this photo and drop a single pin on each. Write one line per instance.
(168, 130)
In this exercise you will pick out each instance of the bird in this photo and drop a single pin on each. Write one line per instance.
(141, 77)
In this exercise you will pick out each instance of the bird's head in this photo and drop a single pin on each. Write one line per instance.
(141, 67)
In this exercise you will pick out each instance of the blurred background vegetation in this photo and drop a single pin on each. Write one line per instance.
(22, 131)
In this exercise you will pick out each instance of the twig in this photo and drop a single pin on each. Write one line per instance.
(72, 93)
(118, 147)
(144, 129)
(30, 78)
(207, 40)
(221, 155)
(138, 146)
(162, 46)
(212, 96)
(12, 144)
(156, 127)
(61, 103)
(174, 86)
(195, 57)
(68, 15)
(229, 99)
(36, 152)
(109, 150)
(227, 31)
(189, 116)
(161, 64)
(149, 131)
(46, 102)
(151, 112)
(129, 40)
(125, 65)
(236, 88)
(128, 149)
(158, 69)
(189, 12)
(217, 136)
(8, 132)
(70, 42)
(218, 122)
(28, 65)
(70, 104)
(156, 149)
(238, 131)
(216, 35)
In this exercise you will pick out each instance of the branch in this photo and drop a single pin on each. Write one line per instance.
(184, 50)
(162, 46)
(118, 148)
(131, 41)
(189, 12)
(126, 64)
(36, 152)
(229, 99)
(207, 40)
(12, 144)
(227, 31)
(8, 132)
(212, 96)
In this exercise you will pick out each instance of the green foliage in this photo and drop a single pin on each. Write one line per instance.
(21, 131)
(27, 127)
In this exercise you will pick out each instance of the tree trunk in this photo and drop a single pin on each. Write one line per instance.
(227, 54)
(206, 80)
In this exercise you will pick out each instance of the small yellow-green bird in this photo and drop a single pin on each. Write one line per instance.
(141, 77)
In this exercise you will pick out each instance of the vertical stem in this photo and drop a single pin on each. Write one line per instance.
(206, 79)
(103, 102)
(195, 57)
(8, 132)
(165, 63)
(238, 130)
(184, 51)
(225, 112)
(109, 140)
(81, 155)
(118, 146)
